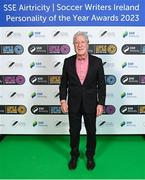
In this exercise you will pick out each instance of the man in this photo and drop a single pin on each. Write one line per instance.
(84, 84)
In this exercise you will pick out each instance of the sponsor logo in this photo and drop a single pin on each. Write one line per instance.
(34, 123)
(101, 123)
(37, 65)
(38, 95)
(58, 33)
(45, 79)
(11, 49)
(106, 34)
(32, 65)
(128, 95)
(13, 109)
(52, 49)
(58, 123)
(14, 123)
(129, 65)
(56, 64)
(130, 34)
(110, 79)
(127, 123)
(12, 34)
(36, 34)
(57, 95)
(133, 79)
(132, 109)
(16, 95)
(33, 95)
(46, 109)
(122, 123)
(109, 109)
(12, 79)
(39, 124)
(125, 34)
(108, 64)
(105, 124)
(15, 65)
(124, 64)
(134, 49)
(102, 48)
(123, 94)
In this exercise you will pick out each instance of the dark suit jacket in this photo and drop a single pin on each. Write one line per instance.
(93, 90)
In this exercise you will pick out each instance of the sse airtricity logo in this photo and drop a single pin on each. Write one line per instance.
(47, 49)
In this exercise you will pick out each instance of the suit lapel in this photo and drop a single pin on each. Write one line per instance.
(74, 70)
(89, 69)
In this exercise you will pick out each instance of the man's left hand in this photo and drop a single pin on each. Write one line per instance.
(99, 110)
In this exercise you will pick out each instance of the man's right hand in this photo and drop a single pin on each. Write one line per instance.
(64, 106)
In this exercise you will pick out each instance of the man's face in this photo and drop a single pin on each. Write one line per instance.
(81, 46)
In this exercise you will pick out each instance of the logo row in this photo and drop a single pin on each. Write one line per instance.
(55, 79)
(62, 49)
(56, 110)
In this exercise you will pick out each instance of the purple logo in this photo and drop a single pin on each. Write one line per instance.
(142, 79)
(109, 109)
(20, 79)
(58, 49)
(13, 79)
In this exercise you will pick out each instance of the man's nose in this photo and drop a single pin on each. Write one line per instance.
(79, 44)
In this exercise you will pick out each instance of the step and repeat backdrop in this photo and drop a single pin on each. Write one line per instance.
(36, 37)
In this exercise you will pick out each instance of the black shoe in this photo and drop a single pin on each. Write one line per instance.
(90, 164)
(73, 163)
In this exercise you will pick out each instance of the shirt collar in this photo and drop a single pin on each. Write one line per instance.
(82, 58)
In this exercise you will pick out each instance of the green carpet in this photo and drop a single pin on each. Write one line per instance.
(46, 157)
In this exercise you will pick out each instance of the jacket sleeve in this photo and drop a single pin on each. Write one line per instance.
(64, 83)
(101, 84)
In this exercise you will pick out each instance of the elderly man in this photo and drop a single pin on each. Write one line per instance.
(83, 84)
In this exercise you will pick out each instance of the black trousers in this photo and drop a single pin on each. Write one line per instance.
(75, 122)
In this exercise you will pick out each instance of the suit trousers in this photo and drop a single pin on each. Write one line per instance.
(75, 122)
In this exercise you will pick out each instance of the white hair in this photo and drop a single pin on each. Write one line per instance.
(81, 33)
